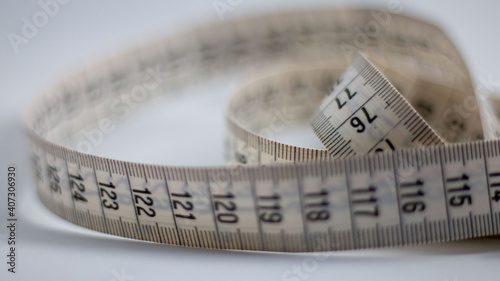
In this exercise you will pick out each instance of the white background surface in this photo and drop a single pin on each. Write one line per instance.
(82, 31)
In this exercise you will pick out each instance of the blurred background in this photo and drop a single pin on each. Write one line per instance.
(80, 32)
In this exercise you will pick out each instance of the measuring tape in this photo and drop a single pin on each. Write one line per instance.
(403, 164)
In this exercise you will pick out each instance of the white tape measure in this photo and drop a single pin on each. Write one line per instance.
(399, 177)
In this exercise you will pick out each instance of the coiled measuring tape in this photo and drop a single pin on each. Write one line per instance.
(402, 163)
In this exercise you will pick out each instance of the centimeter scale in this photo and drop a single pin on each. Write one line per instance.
(400, 122)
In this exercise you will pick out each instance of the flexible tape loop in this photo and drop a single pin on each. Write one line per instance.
(410, 98)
